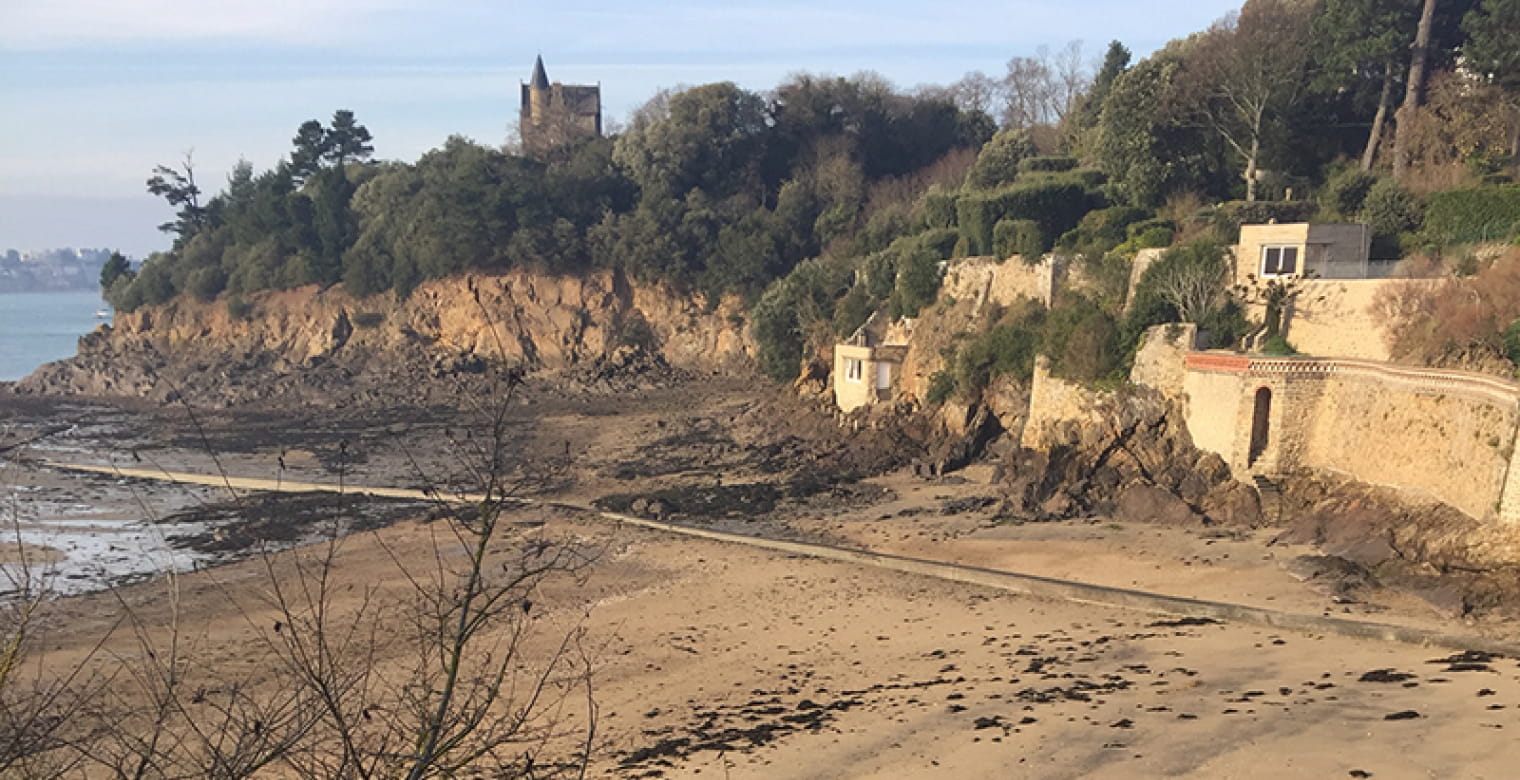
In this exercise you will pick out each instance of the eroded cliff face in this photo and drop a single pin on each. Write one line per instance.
(328, 344)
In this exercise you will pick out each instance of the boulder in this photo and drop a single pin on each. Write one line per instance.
(1234, 504)
(1143, 503)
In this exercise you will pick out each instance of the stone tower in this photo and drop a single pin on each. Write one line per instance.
(554, 113)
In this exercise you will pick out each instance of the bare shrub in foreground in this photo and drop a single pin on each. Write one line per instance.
(448, 666)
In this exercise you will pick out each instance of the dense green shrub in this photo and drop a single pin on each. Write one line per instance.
(884, 227)
(1346, 192)
(115, 267)
(1009, 347)
(1057, 204)
(1391, 211)
(206, 283)
(880, 271)
(918, 279)
(941, 387)
(939, 242)
(1150, 227)
(939, 207)
(1278, 345)
(1020, 237)
(1082, 341)
(1512, 342)
(1101, 230)
(1153, 304)
(1476, 214)
(238, 308)
(852, 311)
(788, 312)
(998, 162)
(1047, 164)
(1155, 238)
(1086, 178)
(976, 215)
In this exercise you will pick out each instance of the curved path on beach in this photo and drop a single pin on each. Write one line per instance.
(1027, 584)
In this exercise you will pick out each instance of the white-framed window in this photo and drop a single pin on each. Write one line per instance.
(1279, 260)
(853, 369)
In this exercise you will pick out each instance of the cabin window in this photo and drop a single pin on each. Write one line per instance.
(1279, 260)
(852, 369)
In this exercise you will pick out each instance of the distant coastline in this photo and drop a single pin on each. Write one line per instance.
(7, 289)
(52, 270)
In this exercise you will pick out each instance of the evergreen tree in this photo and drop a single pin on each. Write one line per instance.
(311, 148)
(116, 267)
(347, 140)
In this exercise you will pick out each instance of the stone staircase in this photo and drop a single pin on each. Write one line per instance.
(1271, 498)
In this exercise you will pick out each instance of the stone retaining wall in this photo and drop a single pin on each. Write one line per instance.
(1446, 435)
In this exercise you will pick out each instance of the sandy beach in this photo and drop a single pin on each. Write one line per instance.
(714, 659)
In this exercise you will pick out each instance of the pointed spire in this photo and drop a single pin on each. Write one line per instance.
(540, 79)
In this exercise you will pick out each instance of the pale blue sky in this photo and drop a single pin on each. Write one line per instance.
(94, 93)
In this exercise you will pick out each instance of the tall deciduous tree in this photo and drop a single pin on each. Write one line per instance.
(1245, 74)
(1042, 89)
(976, 91)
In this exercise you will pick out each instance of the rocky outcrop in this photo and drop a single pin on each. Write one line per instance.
(1128, 456)
(1454, 562)
(327, 344)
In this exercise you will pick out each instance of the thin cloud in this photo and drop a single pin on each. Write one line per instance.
(45, 24)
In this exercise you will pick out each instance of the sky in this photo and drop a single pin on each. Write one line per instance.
(95, 93)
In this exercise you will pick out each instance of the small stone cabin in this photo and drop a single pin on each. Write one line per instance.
(868, 365)
(1321, 251)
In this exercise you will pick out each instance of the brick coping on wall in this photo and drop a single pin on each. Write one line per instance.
(1429, 380)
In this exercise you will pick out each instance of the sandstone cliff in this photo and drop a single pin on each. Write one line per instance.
(327, 344)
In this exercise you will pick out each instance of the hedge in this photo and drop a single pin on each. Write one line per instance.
(1051, 164)
(976, 213)
(939, 208)
(1476, 214)
(1230, 216)
(1102, 229)
(939, 241)
(1019, 237)
(1056, 203)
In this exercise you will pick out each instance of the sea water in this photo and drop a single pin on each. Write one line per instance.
(37, 328)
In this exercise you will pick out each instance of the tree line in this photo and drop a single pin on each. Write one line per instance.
(825, 199)
(713, 188)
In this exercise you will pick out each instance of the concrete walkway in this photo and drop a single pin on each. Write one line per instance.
(1011, 582)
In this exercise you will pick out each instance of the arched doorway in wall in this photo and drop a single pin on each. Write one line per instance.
(1261, 416)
